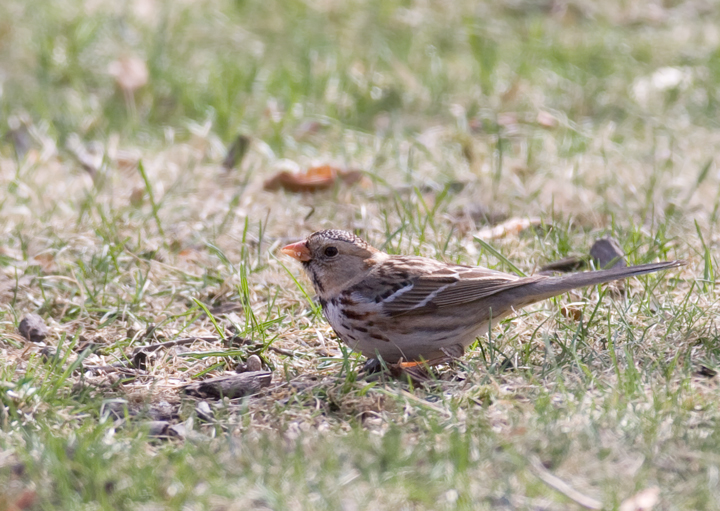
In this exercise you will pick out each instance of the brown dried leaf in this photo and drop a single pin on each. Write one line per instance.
(571, 312)
(46, 261)
(313, 180)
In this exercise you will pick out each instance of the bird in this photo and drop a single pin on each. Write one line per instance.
(410, 309)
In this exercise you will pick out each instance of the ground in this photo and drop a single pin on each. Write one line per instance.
(124, 224)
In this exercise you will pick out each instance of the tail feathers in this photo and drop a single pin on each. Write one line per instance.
(550, 287)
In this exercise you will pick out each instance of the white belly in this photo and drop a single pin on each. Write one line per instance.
(396, 344)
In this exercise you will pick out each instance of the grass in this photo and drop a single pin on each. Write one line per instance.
(119, 226)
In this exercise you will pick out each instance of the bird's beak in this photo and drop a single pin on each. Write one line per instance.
(298, 251)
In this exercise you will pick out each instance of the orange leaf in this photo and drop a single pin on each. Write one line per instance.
(313, 180)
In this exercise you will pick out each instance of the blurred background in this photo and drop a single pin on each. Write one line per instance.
(609, 105)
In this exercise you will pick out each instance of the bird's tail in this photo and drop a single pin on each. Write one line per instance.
(547, 288)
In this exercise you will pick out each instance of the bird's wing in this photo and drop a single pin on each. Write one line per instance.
(450, 286)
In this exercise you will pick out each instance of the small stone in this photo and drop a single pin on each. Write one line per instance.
(254, 363)
(33, 328)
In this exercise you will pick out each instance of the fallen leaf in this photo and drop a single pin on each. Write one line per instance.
(313, 180)
(511, 226)
(46, 261)
(571, 312)
(643, 500)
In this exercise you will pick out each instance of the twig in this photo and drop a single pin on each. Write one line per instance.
(561, 486)
(281, 351)
(231, 386)
(169, 344)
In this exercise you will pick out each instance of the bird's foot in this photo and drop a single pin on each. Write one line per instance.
(415, 372)
(453, 353)
(371, 366)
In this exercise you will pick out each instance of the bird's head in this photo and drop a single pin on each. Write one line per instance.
(333, 259)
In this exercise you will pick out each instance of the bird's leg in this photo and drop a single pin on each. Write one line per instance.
(450, 354)
(376, 369)
(453, 352)
(418, 371)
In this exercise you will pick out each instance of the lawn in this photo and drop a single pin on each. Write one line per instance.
(127, 220)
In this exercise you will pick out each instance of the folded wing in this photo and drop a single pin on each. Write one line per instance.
(459, 286)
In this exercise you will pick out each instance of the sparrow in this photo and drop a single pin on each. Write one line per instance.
(412, 309)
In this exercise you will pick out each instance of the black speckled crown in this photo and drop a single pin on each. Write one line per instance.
(335, 234)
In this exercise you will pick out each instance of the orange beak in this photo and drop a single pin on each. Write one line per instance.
(297, 251)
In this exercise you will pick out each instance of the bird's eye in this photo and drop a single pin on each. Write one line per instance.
(331, 251)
